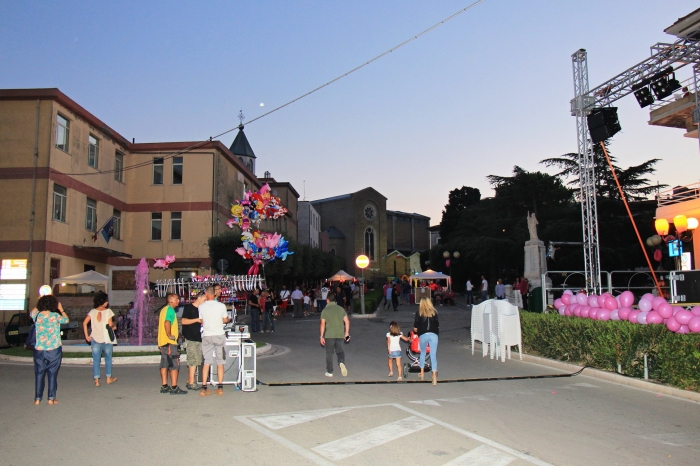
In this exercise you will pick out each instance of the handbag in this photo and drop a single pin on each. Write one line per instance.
(31, 336)
(110, 335)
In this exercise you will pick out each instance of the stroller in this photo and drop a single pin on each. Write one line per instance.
(413, 354)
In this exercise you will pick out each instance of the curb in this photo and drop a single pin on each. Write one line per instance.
(365, 316)
(117, 361)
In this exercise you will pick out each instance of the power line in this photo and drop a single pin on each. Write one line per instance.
(195, 146)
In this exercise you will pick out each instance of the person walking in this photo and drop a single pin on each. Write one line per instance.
(335, 327)
(100, 319)
(355, 296)
(255, 317)
(297, 296)
(484, 289)
(387, 295)
(427, 327)
(168, 334)
(213, 316)
(347, 291)
(470, 292)
(192, 331)
(406, 288)
(500, 290)
(395, 292)
(267, 310)
(393, 347)
(524, 290)
(48, 317)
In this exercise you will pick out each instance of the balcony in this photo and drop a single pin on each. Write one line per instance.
(678, 194)
(676, 110)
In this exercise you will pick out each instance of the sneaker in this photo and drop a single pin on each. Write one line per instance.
(164, 389)
(343, 370)
(204, 392)
(177, 391)
(193, 386)
(329, 374)
(219, 391)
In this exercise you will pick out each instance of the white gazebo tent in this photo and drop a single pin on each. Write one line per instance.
(428, 275)
(341, 276)
(90, 278)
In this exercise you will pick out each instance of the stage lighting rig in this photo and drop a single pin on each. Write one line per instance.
(643, 95)
(665, 86)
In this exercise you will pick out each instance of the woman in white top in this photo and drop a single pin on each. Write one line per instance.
(393, 345)
(100, 318)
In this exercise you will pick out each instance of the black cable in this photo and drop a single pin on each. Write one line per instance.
(138, 165)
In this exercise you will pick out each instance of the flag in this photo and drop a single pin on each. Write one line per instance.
(107, 230)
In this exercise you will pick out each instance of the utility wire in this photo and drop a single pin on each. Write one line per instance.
(200, 144)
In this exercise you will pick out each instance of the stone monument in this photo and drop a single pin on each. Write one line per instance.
(535, 258)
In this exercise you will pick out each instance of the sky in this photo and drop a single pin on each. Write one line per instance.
(484, 92)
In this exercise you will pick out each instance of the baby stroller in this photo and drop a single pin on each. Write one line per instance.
(413, 354)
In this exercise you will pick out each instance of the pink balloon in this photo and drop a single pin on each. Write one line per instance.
(648, 296)
(581, 298)
(603, 297)
(584, 313)
(696, 311)
(683, 329)
(683, 317)
(642, 318)
(672, 324)
(632, 317)
(656, 302)
(624, 313)
(564, 312)
(569, 292)
(593, 300)
(654, 318)
(566, 298)
(558, 304)
(626, 299)
(614, 314)
(676, 309)
(610, 304)
(694, 324)
(593, 312)
(604, 314)
(665, 310)
(645, 305)
(577, 311)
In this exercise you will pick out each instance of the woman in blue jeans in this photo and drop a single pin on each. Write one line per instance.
(427, 328)
(100, 318)
(48, 317)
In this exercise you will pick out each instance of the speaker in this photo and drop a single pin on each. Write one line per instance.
(603, 124)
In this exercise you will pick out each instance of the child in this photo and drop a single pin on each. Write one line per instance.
(307, 301)
(393, 343)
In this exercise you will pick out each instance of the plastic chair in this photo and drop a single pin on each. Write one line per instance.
(495, 344)
(508, 329)
(477, 326)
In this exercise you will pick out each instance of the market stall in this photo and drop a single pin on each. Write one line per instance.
(428, 285)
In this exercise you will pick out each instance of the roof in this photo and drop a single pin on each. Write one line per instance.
(341, 276)
(331, 199)
(279, 184)
(241, 146)
(430, 275)
(86, 278)
(333, 232)
(404, 214)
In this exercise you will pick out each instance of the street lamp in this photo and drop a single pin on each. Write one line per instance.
(684, 233)
(447, 255)
(362, 262)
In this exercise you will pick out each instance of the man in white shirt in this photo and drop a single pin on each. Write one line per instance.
(297, 296)
(484, 289)
(470, 292)
(213, 316)
(284, 294)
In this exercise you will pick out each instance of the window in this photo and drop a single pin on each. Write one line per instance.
(369, 243)
(93, 151)
(62, 132)
(59, 203)
(175, 225)
(158, 170)
(177, 170)
(119, 167)
(91, 215)
(88, 268)
(117, 225)
(156, 225)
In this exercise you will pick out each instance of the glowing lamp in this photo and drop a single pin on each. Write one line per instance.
(456, 254)
(446, 254)
(692, 223)
(44, 290)
(362, 261)
(661, 225)
(681, 223)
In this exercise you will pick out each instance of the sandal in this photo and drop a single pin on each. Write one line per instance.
(37, 402)
(97, 382)
(399, 379)
(391, 374)
(111, 380)
(53, 402)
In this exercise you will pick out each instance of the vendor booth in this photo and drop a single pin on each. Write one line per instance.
(431, 284)
(84, 282)
(341, 276)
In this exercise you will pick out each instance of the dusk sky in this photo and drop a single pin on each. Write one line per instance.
(484, 92)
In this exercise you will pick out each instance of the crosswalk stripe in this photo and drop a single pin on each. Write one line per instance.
(482, 455)
(279, 421)
(357, 443)
(426, 402)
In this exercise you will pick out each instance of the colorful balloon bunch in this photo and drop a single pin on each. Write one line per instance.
(163, 263)
(650, 310)
(259, 247)
(254, 208)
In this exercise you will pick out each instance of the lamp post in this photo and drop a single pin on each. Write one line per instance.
(684, 233)
(447, 255)
(362, 262)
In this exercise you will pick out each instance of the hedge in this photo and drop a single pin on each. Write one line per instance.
(372, 300)
(671, 358)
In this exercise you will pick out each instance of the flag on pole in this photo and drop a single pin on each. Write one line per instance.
(107, 230)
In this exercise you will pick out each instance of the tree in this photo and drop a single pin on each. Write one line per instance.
(459, 200)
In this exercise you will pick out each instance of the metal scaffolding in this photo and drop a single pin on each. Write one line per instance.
(676, 55)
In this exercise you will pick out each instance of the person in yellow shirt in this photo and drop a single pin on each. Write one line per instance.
(167, 343)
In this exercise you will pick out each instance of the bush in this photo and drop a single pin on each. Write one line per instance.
(671, 358)
(372, 299)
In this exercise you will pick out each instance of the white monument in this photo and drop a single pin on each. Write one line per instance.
(535, 257)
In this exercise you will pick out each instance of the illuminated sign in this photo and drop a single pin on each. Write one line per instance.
(12, 297)
(13, 269)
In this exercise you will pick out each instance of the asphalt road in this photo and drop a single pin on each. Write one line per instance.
(566, 420)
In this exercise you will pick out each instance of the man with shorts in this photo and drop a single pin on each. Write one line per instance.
(167, 343)
(335, 326)
(213, 316)
(191, 330)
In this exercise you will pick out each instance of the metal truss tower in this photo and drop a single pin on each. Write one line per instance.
(676, 55)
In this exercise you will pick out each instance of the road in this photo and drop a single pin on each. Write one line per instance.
(563, 421)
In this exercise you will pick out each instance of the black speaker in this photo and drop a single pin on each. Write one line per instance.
(603, 124)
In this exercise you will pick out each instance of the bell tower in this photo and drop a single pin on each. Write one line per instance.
(241, 147)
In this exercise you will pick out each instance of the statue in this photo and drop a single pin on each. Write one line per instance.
(532, 226)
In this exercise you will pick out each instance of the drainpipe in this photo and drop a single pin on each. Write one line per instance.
(32, 208)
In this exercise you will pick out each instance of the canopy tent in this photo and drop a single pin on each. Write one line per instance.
(86, 278)
(341, 276)
(431, 275)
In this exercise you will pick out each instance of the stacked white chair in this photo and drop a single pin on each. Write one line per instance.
(507, 328)
(495, 343)
(477, 327)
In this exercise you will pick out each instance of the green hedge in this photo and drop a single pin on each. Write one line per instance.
(672, 358)
(372, 300)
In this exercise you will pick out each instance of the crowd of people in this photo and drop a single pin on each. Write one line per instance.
(520, 285)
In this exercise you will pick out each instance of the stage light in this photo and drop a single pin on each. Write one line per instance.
(692, 223)
(644, 97)
(665, 86)
(681, 223)
(603, 124)
(661, 225)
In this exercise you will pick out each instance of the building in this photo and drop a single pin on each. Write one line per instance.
(407, 233)
(309, 225)
(434, 235)
(67, 173)
(287, 226)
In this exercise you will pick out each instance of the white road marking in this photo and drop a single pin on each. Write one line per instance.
(482, 455)
(675, 440)
(357, 443)
(583, 384)
(426, 402)
(280, 421)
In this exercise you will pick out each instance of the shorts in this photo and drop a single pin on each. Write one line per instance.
(169, 357)
(194, 353)
(395, 354)
(213, 349)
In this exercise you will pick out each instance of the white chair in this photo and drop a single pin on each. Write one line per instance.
(494, 343)
(508, 329)
(477, 326)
